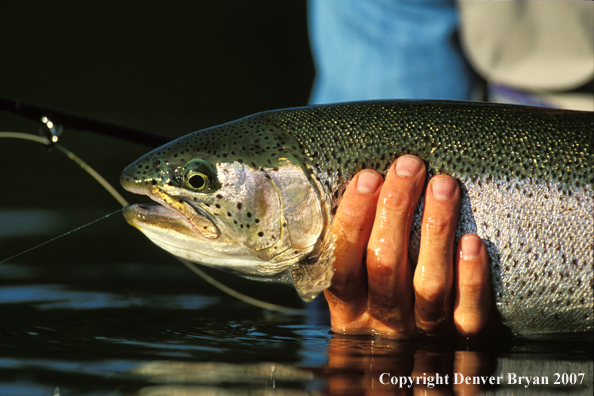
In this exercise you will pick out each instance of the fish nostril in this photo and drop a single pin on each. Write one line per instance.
(156, 164)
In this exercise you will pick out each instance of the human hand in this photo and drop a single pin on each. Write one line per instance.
(374, 290)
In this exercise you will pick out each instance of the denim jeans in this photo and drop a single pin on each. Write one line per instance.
(387, 49)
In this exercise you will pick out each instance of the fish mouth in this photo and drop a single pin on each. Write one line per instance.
(169, 212)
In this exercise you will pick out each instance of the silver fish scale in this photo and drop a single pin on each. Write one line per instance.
(542, 264)
(527, 189)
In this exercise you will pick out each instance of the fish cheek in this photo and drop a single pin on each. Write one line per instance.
(262, 216)
(250, 206)
(301, 206)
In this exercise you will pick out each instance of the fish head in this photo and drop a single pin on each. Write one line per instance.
(241, 202)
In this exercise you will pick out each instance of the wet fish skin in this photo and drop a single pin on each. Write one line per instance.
(526, 176)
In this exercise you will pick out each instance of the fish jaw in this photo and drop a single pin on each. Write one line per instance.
(157, 221)
(194, 216)
(170, 231)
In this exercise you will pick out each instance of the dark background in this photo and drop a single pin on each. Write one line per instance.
(171, 69)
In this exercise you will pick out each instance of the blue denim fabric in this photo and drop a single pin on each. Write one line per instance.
(387, 49)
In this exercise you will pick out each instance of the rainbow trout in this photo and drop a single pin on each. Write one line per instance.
(257, 196)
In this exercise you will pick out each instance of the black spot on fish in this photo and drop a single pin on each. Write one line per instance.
(260, 234)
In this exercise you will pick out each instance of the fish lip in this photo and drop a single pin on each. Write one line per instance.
(196, 209)
(169, 211)
(153, 209)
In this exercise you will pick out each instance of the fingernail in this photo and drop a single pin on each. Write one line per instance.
(368, 182)
(408, 166)
(471, 247)
(443, 188)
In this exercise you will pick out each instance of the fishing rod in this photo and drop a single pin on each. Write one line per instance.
(55, 120)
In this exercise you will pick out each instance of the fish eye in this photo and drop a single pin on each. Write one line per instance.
(198, 175)
(197, 181)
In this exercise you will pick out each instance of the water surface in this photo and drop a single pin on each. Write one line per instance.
(104, 312)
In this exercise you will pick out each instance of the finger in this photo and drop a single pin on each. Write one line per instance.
(352, 225)
(388, 270)
(473, 286)
(434, 272)
(430, 366)
(471, 364)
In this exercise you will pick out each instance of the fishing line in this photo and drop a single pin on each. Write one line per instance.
(63, 235)
(69, 154)
(209, 279)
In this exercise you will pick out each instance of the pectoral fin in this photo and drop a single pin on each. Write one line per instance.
(314, 275)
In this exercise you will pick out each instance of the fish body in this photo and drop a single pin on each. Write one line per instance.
(257, 196)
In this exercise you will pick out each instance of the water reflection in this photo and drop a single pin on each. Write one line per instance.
(227, 348)
(372, 367)
(379, 366)
(79, 319)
